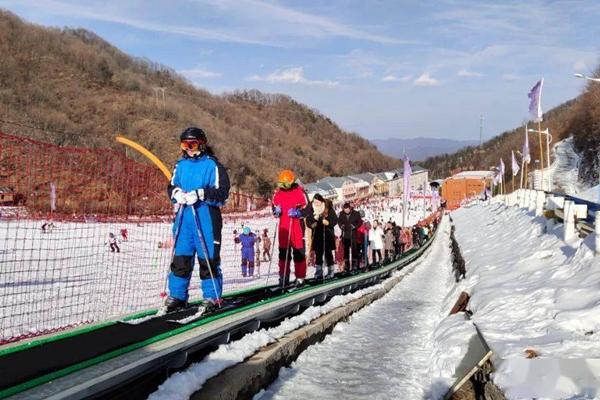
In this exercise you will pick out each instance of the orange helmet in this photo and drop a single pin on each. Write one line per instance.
(286, 178)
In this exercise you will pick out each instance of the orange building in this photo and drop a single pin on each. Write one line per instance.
(464, 185)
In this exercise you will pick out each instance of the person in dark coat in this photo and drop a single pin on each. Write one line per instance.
(321, 218)
(349, 221)
(415, 236)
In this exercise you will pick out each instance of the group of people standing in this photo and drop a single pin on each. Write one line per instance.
(200, 186)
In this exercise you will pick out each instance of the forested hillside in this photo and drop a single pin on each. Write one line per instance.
(579, 118)
(70, 87)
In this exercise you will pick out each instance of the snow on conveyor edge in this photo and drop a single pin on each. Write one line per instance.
(181, 385)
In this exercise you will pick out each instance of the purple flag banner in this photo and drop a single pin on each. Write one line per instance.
(526, 155)
(515, 165)
(535, 101)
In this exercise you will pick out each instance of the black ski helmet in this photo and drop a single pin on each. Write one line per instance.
(193, 133)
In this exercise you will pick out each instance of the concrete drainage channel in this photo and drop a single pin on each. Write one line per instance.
(244, 380)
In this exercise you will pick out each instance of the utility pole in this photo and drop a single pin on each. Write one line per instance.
(481, 129)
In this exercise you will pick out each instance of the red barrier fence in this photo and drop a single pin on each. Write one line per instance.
(72, 182)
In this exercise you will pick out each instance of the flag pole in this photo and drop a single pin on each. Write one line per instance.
(541, 155)
(522, 166)
(512, 176)
(548, 148)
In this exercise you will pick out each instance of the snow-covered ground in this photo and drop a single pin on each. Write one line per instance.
(590, 194)
(385, 350)
(391, 210)
(531, 290)
(182, 385)
(69, 276)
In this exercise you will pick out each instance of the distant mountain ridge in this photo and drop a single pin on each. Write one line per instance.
(420, 148)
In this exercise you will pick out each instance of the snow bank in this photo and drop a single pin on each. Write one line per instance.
(591, 194)
(531, 290)
(451, 341)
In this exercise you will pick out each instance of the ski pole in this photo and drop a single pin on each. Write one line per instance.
(287, 253)
(324, 251)
(366, 248)
(272, 250)
(205, 251)
(351, 251)
(178, 220)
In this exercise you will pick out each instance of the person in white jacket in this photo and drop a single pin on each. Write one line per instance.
(376, 239)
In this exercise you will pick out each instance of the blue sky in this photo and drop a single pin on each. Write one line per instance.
(379, 68)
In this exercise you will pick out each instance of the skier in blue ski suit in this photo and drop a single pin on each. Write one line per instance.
(200, 182)
(247, 239)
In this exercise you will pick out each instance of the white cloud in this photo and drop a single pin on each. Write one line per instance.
(288, 21)
(510, 77)
(394, 78)
(199, 73)
(294, 75)
(426, 80)
(468, 74)
(255, 22)
(124, 18)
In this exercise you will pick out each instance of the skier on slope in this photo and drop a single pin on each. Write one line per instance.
(200, 185)
(113, 243)
(288, 202)
(257, 252)
(266, 245)
(247, 239)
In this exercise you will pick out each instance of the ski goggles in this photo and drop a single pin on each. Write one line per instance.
(192, 145)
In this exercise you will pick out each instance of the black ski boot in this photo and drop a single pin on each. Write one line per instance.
(210, 306)
(330, 272)
(173, 304)
(319, 273)
(284, 282)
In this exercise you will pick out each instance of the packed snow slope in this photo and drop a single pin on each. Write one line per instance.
(385, 350)
(531, 290)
